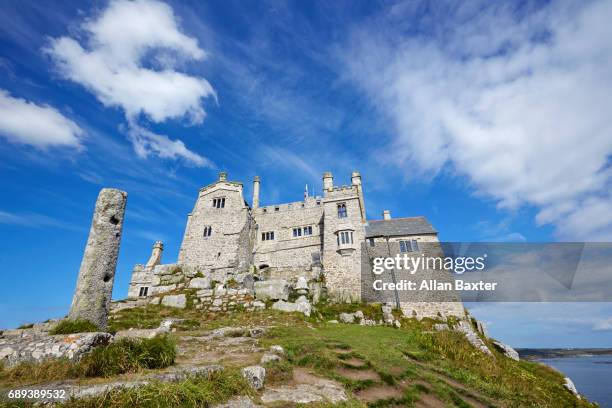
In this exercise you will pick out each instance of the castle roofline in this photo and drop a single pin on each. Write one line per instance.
(397, 227)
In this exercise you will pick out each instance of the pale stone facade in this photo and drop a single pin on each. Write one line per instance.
(321, 238)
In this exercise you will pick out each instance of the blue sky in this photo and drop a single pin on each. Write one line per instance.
(492, 120)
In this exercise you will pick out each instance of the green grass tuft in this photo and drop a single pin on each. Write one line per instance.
(196, 392)
(123, 356)
(127, 355)
(68, 326)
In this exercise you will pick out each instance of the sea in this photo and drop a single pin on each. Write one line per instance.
(592, 375)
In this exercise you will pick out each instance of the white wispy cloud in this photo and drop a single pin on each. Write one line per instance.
(34, 220)
(41, 126)
(518, 104)
(114, 64)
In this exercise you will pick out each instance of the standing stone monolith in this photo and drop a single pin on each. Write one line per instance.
(94, 288)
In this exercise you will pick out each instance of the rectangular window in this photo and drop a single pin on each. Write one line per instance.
(276, 208)
(345, 237)
(308, 230)
(297, 232)
(409, 246)
(207, 231)
(342, 210)
(218, 202)
(415, 245)
(267, 236)
(371, 241)
(144, 291)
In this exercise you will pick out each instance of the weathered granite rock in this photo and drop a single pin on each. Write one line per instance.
(238, 402)
(507, 350)
(569, 384)
(302, 307)
(441, 327)
(255, 375)
(346, 317)
(274, 289)
(471, 336)
(178, 301)
(482, 328)
(94, 288)
(276, 349)
(164, 327)
(269, 358)
(200, 283)
(387, 310)
(322, 390)
(38, 346)
(315, 290)
(301, 286)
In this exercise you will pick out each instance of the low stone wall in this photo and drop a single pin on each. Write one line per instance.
(33, 345)
(221, 300)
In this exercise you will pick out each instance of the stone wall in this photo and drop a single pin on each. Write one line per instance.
(342, 262)
(413, 303)
(225, 247)
(287, 252)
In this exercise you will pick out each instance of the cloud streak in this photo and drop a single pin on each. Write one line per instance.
(517, 102)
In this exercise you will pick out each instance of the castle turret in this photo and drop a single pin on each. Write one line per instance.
(328, 181)
(156, 254)
(386, 215)
(356, 178)
(223, 176)
(256, 182)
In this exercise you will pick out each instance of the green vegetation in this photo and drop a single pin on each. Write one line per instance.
(416, 361)
(379, 366)
(123, 356)
(198, 392)
(68, 326)
(26, 326)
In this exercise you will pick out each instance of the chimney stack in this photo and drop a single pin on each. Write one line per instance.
(256, 182)
(386, 215)
(328, 181)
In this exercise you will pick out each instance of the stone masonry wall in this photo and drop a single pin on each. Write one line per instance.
(225, 247)
(287, 252)
(342, 262)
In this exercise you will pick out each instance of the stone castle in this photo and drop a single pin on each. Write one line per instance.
(322, 238)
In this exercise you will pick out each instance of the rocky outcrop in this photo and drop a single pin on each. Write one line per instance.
(273, 289)
(569, 384)
(507, 350)
(164, 327)
(471, 336)
(255, 375)
(94, 288)
(36, 346)
(301, 305)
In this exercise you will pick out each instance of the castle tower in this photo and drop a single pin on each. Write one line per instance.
(328, 181)
(256, 183)
(386, 215)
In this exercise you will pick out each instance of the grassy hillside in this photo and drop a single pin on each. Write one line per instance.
(379, 366)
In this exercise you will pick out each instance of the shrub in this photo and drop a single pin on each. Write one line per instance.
(127, 355)
(26, 326)
(123, 356)
(68, 326)
(195, 392)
